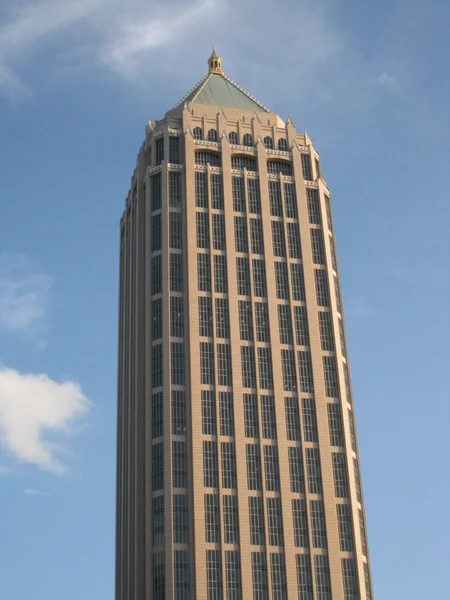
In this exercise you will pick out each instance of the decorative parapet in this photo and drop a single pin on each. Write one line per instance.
(200, 167)
(313, 184)
(287, 178)
(207, 143)
(218, 169)
(237, 171)
(252, 173)
(279, 152)
(158, 134)
(175, 167)
(273, 176)
(246, 148)
(176, 132)
(156, 169)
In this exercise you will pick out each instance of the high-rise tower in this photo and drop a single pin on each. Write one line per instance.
(238, 471)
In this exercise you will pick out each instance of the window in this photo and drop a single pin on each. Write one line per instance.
(178, 413)
(313, 470)
(335, 424)
(233, 574)
(158, 520)
(224, 373)
(274, 521)
(305, 371)
(156, 319)
(175, 230)
(204, 272)
(351, 423)
(256, 516)
(347, 383)
(312, 197)
(300, 521)
(175, 189)
(233, 137)
(212, 135)
(179, 466)
(240, 234)
(330, 376)
(323, 585)
(198, 133)
(247, 140)
(362, 529)
(326, 331)
(220, 274)
(318, 529)
(216, 183)
(156, 191)
(301, 326)
(288, 370)
(296, 470)
(345, 527)
(244, 162)
(158, 576)
(265, 369)
(285, 324)
(309, 419)
(259, 278)
(245, 320)
(337, 294)
(276, 208)
(176, 272)
(253, 457)
(177, 358)
(328, 209)
(157, 367)
(318, 251)
(228, 454)
(212, 519)
(210, 469)
(367, 582)
(269, 431)
(317, 165)
(176, 317)
(174, 150)
(226, 413)
(251, 416)
(253, 195)
(278, 240)
(271, 468)
(349, 579)
(282, 144)
(333, 253)
(259, 576)
(205, 157)
(292, 414)
(156, 232)
(201, 190)
(243, 276)
(157, 415)
(213, 575)
(340, 474)
(279, 166)
(159, 144)
(209, 423)
(290, 201)
(262, 322)
(222, 318)
(281, 280)
(256, 236)
(230, 520)
(306, 167)
(237, 186)
(297, 282)
(268, 142)
(181, 575)
(206, 363)
(248, 367)
(293, 236)
(322, 295)
(157, 466)
(304, 579)
(278, 574)
(357, 480)
(342, 337)
(202, 230)
(218, 231)
(156, 274)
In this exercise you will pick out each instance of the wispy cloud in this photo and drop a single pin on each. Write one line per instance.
(24, 296)
(33, 410)
(29, 492)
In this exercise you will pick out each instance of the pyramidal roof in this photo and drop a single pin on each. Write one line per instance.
(219, 90)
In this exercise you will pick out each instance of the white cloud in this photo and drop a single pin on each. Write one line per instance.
(33, 408)
(24, 296)
(29, 492)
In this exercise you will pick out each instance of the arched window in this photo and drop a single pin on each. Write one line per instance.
(247, 140)
(233, 137)
(203, 157)
(212, 135)
(244, 162)
(282, 144)
(268, 142)
(198, 133)
(279, 166)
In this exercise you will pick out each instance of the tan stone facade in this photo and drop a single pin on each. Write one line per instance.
(238, 469)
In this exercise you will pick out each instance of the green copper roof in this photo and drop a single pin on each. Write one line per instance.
(217, 89)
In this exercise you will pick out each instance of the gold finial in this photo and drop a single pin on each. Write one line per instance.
(215, 63)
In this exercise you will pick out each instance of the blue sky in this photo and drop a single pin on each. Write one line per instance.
(78, 82)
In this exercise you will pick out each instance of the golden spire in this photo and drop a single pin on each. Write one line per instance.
(215, 63)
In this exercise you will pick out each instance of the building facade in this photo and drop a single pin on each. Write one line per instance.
(237, 468)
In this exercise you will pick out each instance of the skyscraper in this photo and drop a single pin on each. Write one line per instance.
(237, 470)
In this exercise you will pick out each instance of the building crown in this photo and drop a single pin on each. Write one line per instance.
(215, 63)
